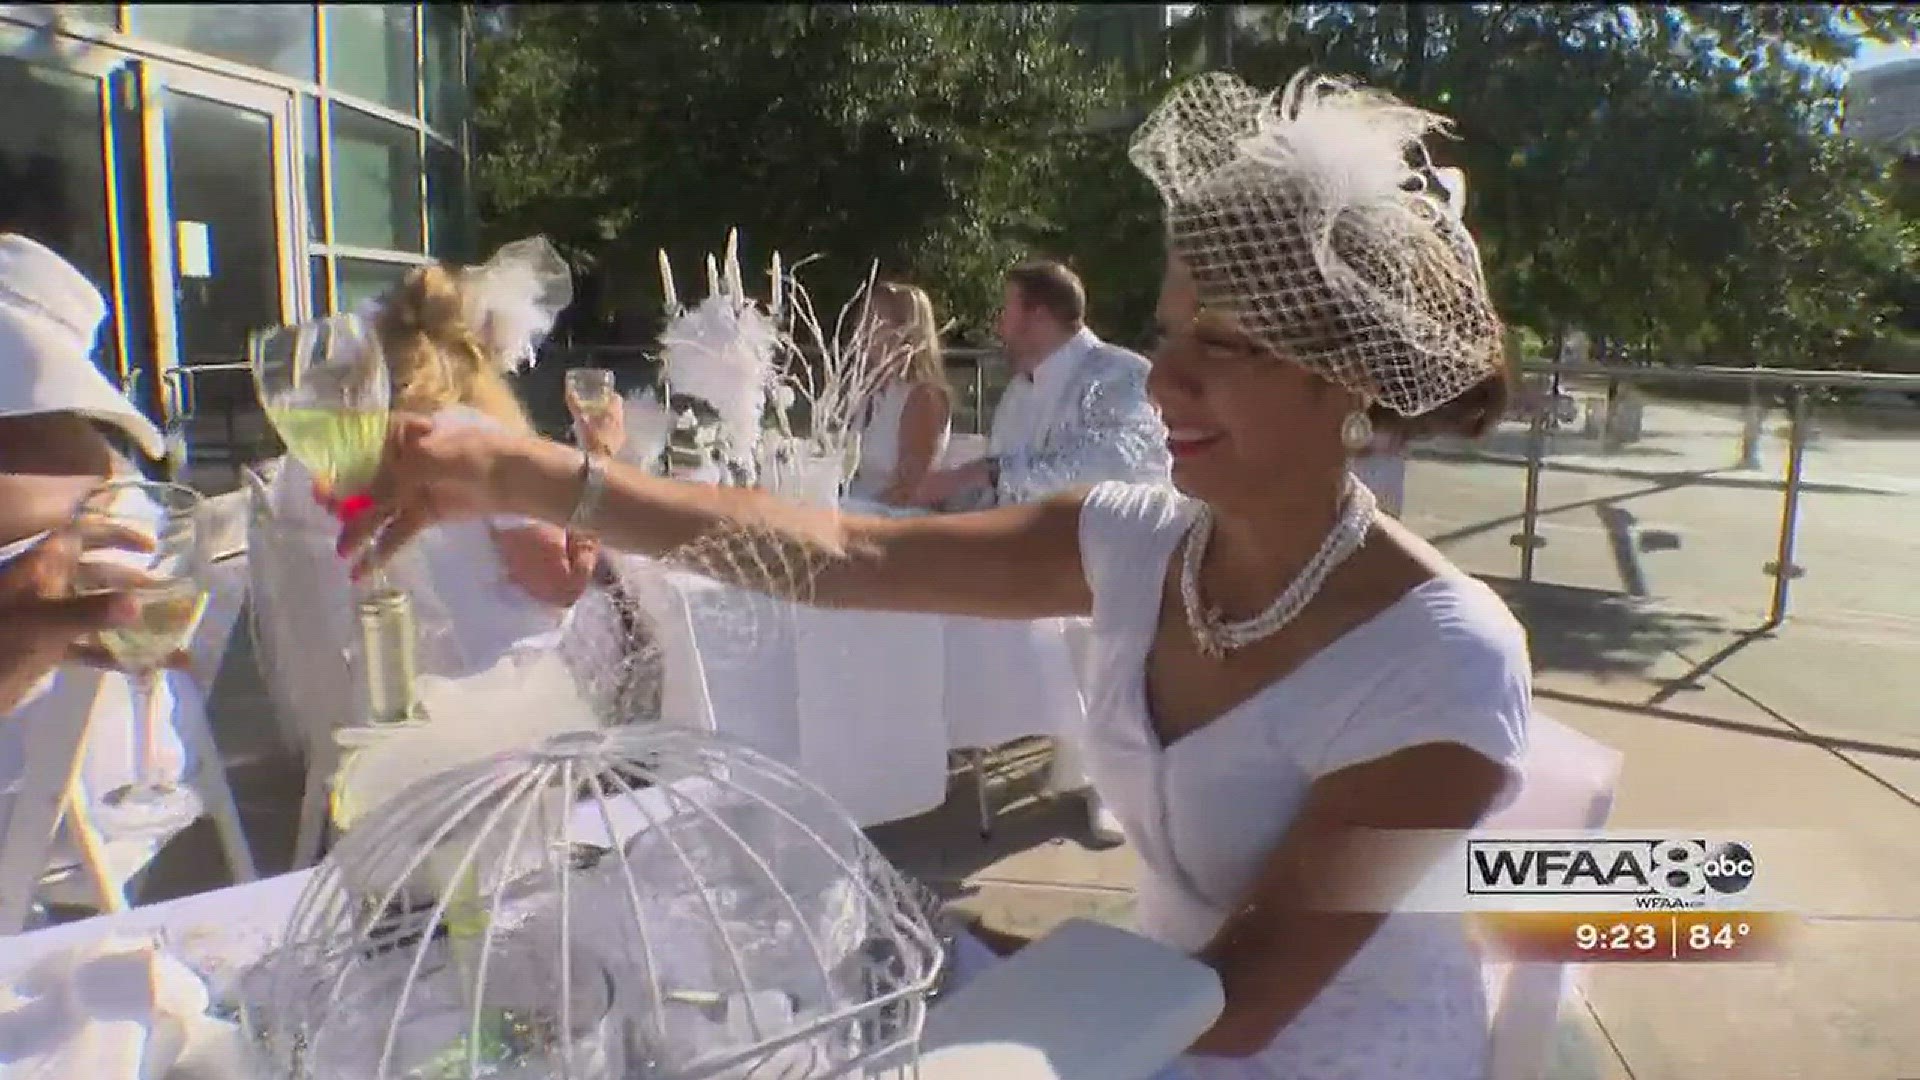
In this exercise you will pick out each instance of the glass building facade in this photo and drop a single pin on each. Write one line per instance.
(1883, 104)
(220, 168)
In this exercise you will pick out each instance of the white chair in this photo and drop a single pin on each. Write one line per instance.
(52, 766)
(1567, 782)
(302, 616)
(683, 694)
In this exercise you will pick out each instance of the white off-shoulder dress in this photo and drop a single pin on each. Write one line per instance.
(1446, 663)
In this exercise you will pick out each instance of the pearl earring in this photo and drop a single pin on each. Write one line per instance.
(1356, 431)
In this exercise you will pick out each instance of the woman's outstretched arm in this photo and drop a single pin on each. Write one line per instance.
(1017, 562)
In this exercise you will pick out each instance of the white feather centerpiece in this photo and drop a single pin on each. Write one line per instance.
(649, 426)
(721, 352)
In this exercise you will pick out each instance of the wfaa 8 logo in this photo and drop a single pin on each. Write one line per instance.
(1651, 874)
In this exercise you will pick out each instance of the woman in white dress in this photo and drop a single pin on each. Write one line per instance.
(1277, 666)
(481, 590)
(910, 416)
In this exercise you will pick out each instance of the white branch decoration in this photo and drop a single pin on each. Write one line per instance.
(837, 374)
(753, 364)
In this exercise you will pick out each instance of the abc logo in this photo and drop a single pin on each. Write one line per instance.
(1729, 868)
(1683, 868)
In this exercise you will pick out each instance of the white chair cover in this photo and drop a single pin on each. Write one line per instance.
(1567, 782)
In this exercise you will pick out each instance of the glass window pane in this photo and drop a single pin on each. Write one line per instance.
(226, 232)
(53, 182)
(376, 182)
(106, 15)
(444, 44)
(322, 301)
(364, 279)
(278, 37)
(316, 193)
(370, 53)
(448, 235)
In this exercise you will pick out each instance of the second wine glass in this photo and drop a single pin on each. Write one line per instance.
(169, 586)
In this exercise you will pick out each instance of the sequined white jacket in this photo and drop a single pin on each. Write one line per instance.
(1096, 424)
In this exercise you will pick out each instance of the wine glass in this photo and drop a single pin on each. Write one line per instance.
(590, 389)
(324, 387)
(169, 587)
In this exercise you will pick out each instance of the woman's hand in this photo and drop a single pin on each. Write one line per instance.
(547, 564)
(43, 625)
(427, 475)
(603, 431)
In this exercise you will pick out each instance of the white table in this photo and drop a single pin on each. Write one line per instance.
(868, 704)
(241, 922)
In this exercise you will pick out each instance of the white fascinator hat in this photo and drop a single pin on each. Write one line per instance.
(1314, 220)
(50, 316)
(513, 299)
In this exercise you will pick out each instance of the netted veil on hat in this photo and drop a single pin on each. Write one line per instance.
(1307, 222)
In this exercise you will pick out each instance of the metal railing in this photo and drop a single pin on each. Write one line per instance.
(981, 374)
(1801, 390)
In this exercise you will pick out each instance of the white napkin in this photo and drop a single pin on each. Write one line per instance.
(112, 1009)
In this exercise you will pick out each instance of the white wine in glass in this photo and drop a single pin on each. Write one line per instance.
(324, 386)
(590, 394)
(168, 585)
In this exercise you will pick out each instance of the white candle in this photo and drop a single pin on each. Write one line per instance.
(666, 283)
(713, 276)
(774, 302)
(734, 288)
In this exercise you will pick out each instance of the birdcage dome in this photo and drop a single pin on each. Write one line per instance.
(642, 901)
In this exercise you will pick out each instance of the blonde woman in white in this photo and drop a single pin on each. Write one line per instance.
(910, 416)
(1276, 665)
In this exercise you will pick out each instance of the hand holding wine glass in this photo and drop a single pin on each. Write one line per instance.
(167, 587)
(599, 422)
(430, 473)
(324, 386)
(42, 623)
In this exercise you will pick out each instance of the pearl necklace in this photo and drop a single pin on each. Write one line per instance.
(1215, 636)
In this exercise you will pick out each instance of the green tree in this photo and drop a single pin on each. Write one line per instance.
(1670, 178)
(933, 139)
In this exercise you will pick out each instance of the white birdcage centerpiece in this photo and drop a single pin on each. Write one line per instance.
(627, 902)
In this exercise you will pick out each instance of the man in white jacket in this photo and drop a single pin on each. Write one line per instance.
(1075, 413)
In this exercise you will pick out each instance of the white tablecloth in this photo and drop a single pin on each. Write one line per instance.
(867, 704)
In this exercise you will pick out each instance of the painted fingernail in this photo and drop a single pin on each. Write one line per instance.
(123, 611)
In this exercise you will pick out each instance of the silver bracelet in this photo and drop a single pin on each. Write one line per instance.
(593, 481)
